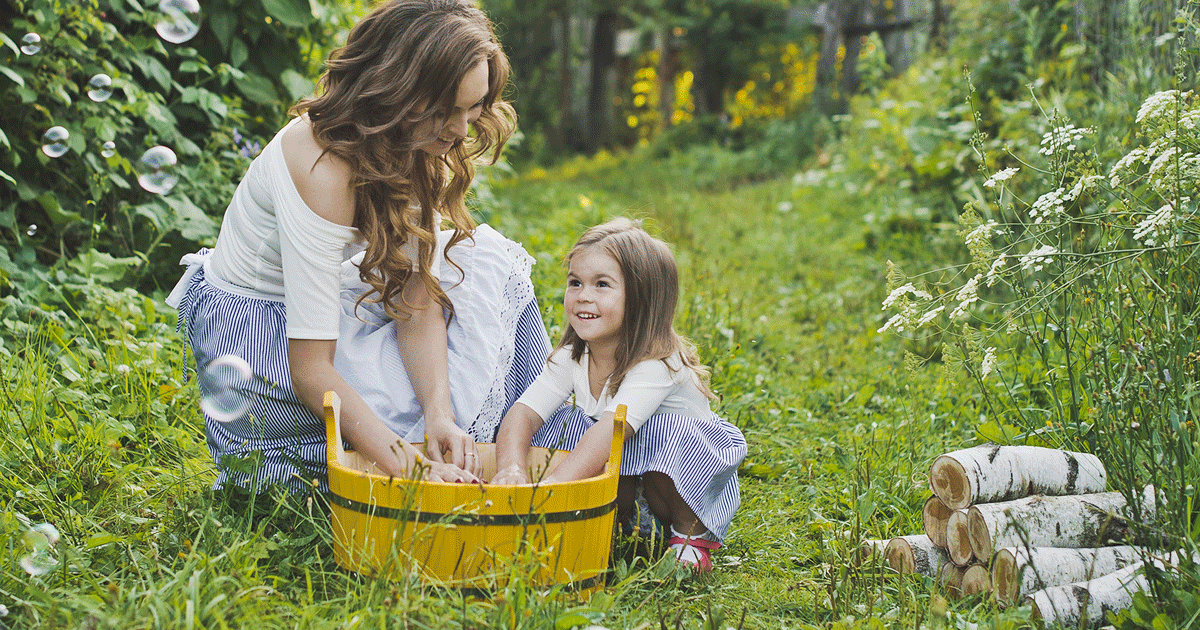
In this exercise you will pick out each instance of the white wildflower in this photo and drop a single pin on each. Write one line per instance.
(1155, 225)
(900, 292)
(1084, 185)
(1127, 161)
(1001, 176)
(1037, 258)
(122, 369)
(981, 236)
(1061, 138)
(966, 296)
(1047, 205)
(1159, 105)
(993, 273)
(989, 362)
(930, 316)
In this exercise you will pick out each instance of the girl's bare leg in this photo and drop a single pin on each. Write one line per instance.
(668, 506)
(626, 493)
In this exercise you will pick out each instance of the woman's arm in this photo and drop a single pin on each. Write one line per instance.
(590, 454)
(512, 444)
(422, 340)
(311, 365)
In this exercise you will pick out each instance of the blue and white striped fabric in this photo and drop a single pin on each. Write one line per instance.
(279, 440)
(700, 455)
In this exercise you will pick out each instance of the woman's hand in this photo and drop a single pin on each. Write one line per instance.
(446, 443)
(511, 476)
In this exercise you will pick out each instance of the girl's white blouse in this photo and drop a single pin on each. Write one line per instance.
(650, 387)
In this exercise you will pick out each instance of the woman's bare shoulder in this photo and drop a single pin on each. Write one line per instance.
(323, 181)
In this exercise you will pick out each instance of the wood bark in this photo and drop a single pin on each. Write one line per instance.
(958, 539)
(991, 473)
(934, 515)
(1085, 604)
(1085, 520)
(915, 554)
(976, 580)
(1019, 571)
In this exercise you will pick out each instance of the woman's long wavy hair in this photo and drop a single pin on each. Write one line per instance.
(402, 64)
(651, 281)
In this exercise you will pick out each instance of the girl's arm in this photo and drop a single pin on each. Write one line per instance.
(422, 340)
(512, 444)
(311, 365)
(590, 454)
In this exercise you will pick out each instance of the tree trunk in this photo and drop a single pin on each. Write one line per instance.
(1085, 520)
(934, 516)
(599, 111)
(1019, 571)
(989, 473)
(915, 554)
(896, 43)
(850, 79)
(667, 67)
(958, 539)
(976, 580)
(939, 22)
(563, 128)
(832, 25)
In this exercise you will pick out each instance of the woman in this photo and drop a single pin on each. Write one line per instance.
(331, 271)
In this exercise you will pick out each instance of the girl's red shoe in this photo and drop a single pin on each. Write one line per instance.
(703, 548)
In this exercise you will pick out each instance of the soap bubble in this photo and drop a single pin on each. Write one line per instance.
(31, 44)
(32, 230)
(54, 141)
(180, 20)
(224, 387)
(100, 88)
(156, 170)
(39, 540)
(108, 149)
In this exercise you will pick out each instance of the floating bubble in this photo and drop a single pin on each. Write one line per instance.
(224, 388)
(180, 20)
(32, 230)
(100, 88)
(31, 44)
(108, 149)
(38, 563)
(39, 539)
(54, 141)
(156, 170)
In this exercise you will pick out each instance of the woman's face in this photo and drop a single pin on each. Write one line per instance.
(437, 134)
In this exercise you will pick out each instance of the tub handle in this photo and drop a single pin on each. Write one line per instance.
(618, 440)
(333, 428)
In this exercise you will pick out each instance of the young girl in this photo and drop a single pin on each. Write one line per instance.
(619, 348)
(332, 270)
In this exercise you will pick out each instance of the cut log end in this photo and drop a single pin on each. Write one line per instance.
(1004, 577)
(899, 555)
(950, 577)
(958, 543)
(934, 515)
(976, 581)
(949, 481)
(978, 535)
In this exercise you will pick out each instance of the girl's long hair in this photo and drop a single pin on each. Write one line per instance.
(402, 64)
(651, 282)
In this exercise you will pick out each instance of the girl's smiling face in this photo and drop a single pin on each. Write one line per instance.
(595, 299)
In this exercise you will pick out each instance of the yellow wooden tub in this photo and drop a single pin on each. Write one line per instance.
(472, 536)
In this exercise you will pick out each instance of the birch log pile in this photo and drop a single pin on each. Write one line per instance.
(1085, 604)
(958, 539)
(976, 579)
(1019, 571)
(991, 473)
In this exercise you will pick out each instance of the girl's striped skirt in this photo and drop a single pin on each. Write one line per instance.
(700, 455)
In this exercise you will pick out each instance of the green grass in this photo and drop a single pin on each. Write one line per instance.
(780, 294)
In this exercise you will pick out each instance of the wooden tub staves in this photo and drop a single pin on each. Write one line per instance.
(472, 536)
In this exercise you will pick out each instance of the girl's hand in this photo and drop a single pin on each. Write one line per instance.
(512, 475)
(448, 473)
(446, 443)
